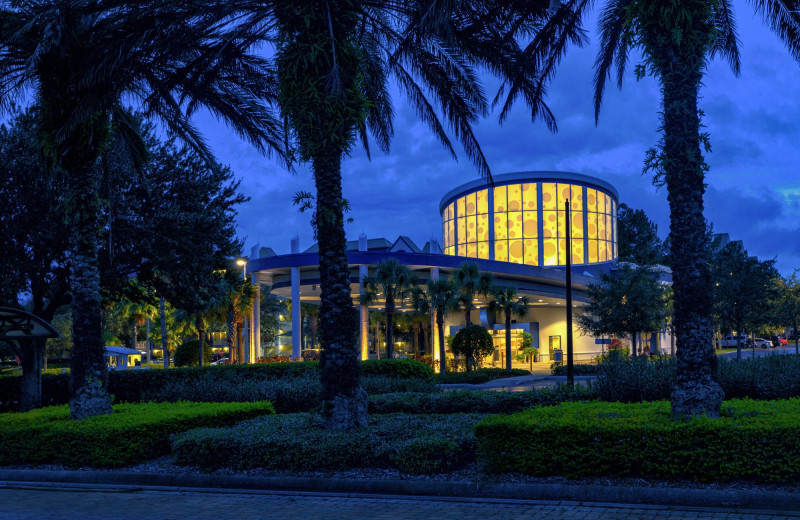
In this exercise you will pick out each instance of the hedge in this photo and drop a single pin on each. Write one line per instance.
(133, 433)
(293, 383)
(480, 375)
(413, 444)
(754, 440)
(579, 369)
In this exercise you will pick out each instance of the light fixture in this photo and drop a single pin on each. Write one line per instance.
(241, 261)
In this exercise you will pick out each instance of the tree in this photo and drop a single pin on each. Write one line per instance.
(789, 305)
(637, 237)
(677, 40)
(471, 283)
(272, 308)
(81, 59)
(508, 301)
(393, 282)
(439, 297)
(474, 343)
(625, 302)
(743, 289)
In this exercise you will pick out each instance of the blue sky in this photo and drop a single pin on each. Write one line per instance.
(753, 185)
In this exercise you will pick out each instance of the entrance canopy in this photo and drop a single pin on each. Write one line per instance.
(16, 324)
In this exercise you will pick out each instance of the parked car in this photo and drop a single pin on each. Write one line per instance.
(763, 343)
(777, 341)
(731, 341)
(783, 340)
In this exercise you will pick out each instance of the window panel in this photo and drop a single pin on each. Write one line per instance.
(602, 198)
(500, 199)
(592, 202)
(501, 250)
(451, 232)
(577, 224)
(576, 201)
(500, 226)
(592, 251)
(471, 204)
(483, 250)
(514, 197)
(563, 195)
(483, 228)
(577, 251)
(462, 249)
(530, 224)
(483, 202)
(531, 252)
(549, 196)
(462, 207)
(602, 252)
(562, 251)
(609, 250)
(592, 225)
(462, 231)
(601, 227)
(515, 224)
(472, 231)
(472, 250)
(609, 230)
(515, 251)
(550, 251)
(550, 224)
(529, 196)
(562, 224)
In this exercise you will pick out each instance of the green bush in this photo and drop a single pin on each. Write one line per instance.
(580, 369)
(298, 442)
(186, 354)
(754, 440)
(481, 375)
(133, 433)
(407, 368)
(475, 402)
(474, 343)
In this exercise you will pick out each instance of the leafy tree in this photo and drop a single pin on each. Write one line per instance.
(80, 60)
(509, 302)
(393, 282)
(474, 343)
(625, 302)
(638, 239)
(271, 307)
(186, 354)
(789, 305)
(677, 40)
(440, 297)
(471, 283)
(743, 290)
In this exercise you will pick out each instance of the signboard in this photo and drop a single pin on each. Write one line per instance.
(602, 341)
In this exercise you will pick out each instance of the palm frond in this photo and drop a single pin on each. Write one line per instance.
(727, 41)
(783, 17)
(614, 27)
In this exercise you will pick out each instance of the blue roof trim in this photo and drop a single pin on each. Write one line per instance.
(528, 176)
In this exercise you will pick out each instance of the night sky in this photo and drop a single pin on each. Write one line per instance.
(753, 185)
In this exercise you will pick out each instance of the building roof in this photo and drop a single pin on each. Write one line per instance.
(113, 350)
(404, 244)
(266, 252)
(373, 244)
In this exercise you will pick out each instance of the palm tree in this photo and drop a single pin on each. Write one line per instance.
(393, 282)
(508, 301)
(138, 312)
(80, 60)
(441, 297)
(471, 283)
(677, 41)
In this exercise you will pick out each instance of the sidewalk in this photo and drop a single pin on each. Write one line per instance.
(540, 377)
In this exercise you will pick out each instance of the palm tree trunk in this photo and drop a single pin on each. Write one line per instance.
(230, 327)
(200, 337)
(696, 391)
(634, 346)
(31, 385)
(442, 353)
(508, 340)
(426, 339)
(344, 400)
(162, 314)
(88, 377)
(135, 333)
(389, 326)
(467, 318)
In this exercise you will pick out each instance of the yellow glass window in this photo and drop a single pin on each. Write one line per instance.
(609, 230)
(576, 201)
(472, 250)
(515, 251)
(451, 232)
(577, 224)
(445, 236)
(500, 199)
(462, 249)
(563, 194)
(501, 250)
(601, 227)
(530, 224)
(562, 224)
(577, 251)
(609, 249)
(500, 226)
(531, 252)
(550, 224)
(592, 225)
(471, 204)
(515, 224)
(483, 202)
(483, 228)
(592, 202)
(550, 251)
(462, 207)
(529, 196)
(562, 251)
(462, 231)
(514, 197)
(592, 251)
(483, 250)
(602, 200)
(472, 231)
(549, 196)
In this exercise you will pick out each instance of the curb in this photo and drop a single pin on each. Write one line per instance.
(582, 493)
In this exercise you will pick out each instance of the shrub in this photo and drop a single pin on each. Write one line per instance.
(410, 443)
(481, 375)
(581, 369)
(186, 354)
(754, 440)
(474, 343)
(407, 368)
(134, 432)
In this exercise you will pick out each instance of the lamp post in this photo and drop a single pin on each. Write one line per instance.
(570, 371)
(245, 354)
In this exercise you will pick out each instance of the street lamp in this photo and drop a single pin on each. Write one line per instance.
(242, 262)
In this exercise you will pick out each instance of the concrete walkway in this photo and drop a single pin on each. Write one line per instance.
(540, 377)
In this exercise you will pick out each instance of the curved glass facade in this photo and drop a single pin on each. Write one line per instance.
(526, 223)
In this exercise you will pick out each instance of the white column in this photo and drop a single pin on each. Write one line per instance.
(363, 309)
(256, 334)
(296, 302)
(434, 325)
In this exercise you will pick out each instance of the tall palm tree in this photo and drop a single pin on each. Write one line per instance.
(392, 282)
(81, 60)
(471, 283)
(677, 40)
(439, 296)
(508, 301)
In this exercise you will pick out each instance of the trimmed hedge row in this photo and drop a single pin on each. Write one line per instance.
(133, 433)
(415, 444)
(754, 440)
(481, 375)
(579, 369)
(475, 402)
(292, 383)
